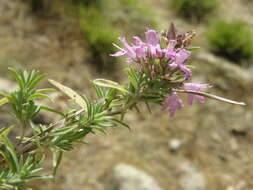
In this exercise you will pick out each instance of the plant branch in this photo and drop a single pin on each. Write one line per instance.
(31, 145)
(205, 94)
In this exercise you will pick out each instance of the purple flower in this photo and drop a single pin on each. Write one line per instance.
(137, 41)
(119, 53)
(144, 51)
(187, 72)
(140, 50)
(172, 44)
(129, 50)
(152, 37)
(182, 55)
(159, 51)
(195, 87)
(170, 52)
(173, 103)
(152, 44)
(179, 60)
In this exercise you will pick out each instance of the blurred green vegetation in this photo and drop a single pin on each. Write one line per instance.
(131, 16)
(100, 35)
(232, 40)
(39, 6)
(194, 10)
(102, 22)
(86, 2)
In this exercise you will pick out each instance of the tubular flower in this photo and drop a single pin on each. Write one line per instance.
(172, 103)
(140, 50)
(179, 61)
(152, 37)
(127, 50)
(197, 88)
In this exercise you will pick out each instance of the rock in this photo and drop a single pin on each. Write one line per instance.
(191, 178)
(126, 177)
(174, 144)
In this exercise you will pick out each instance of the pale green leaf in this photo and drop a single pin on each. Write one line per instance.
(70, 93)
(5, 130)
(110, 84)
(3, 93)
(193, 48)
(3, 101)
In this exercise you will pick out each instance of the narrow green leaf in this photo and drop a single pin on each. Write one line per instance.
(45, 90)
(122, 123)
(193, 48)
(3, 93)
(4, 101)
(132, 77)
(190, 66)
(37, 80)
(99, 129)
(33, 177)
(56, 160)
(99, 91)
(10, 154)
(47, 108)
(110, 84)
(63, 131)
(39, 96)
(5, 131)
(17, 77)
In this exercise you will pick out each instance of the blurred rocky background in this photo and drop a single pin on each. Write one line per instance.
(204, 147)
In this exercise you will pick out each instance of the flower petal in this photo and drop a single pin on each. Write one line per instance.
(140, 52)
(152, 37)
(187, 72)
(172, 44)
(119, 53)
(195, 87)
(173, 103)
(128, 48)
(182, 55)
(137, 41)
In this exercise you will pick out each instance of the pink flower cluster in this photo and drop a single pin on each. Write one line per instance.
(143, 52)
(173, 55)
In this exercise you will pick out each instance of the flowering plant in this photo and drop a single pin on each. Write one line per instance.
(159, 71)
(163, 61)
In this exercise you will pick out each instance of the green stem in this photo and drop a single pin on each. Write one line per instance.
(22, 134)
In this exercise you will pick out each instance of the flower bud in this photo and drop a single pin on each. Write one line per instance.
(163, 42)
